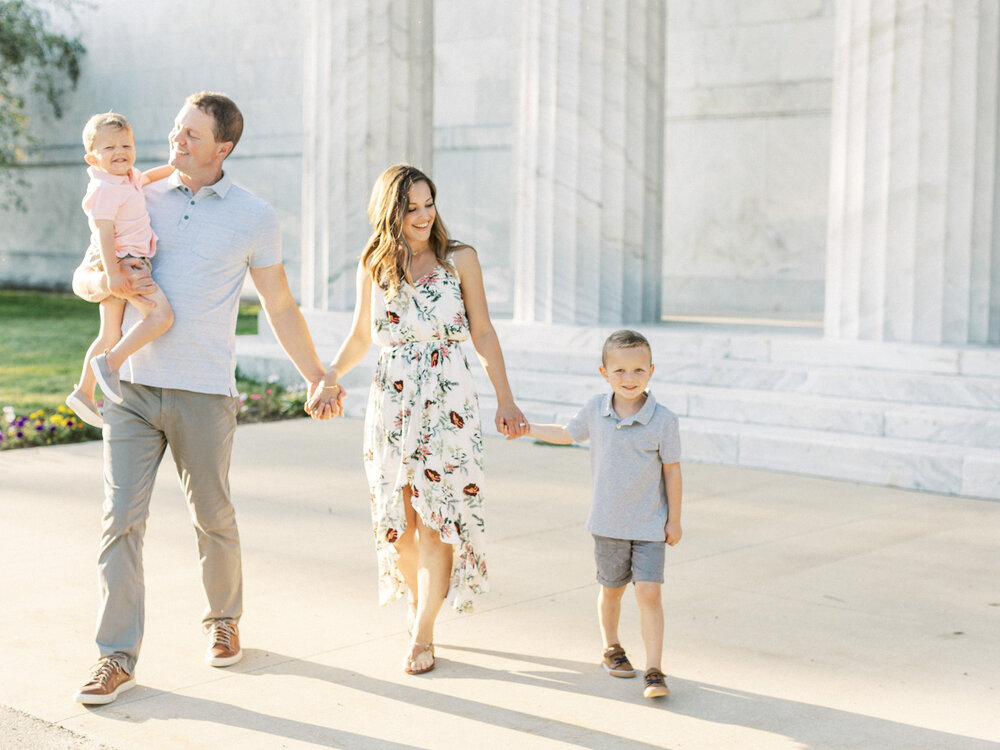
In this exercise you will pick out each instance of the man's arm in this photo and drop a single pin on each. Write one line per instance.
(286, 320)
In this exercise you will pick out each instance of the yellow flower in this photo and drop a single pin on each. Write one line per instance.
(63, 409)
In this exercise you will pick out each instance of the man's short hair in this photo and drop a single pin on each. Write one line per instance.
(95, 123)
(227, 116)
(624, 339)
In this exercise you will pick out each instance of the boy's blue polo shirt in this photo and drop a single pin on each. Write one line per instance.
(626, 466)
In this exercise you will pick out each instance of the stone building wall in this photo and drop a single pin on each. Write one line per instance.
(748, 123)
(142, 60)
(747, 136)
(475, 79)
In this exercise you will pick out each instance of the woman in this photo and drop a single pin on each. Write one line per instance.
(419, 294)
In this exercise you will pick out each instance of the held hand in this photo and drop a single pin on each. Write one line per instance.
(673, 532)
(313, 406)
(511, 422)
(325, 401)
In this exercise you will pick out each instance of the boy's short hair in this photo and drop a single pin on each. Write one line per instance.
(624, 339)
(227, 116)
(95, 123)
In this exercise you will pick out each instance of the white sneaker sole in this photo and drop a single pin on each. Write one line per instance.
(84, 412)
(100, 700)
(217, 661)
(619, 672)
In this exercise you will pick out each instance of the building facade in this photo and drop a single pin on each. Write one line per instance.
(701, 129)
(797, 200)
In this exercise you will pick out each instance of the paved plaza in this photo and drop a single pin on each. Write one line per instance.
(801, 613)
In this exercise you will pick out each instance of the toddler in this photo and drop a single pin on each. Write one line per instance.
(120, 233)
(636, 509)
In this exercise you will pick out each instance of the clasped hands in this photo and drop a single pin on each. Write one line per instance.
(326, 400)
(510, 421)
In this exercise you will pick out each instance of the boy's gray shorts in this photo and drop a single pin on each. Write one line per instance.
(622, 560)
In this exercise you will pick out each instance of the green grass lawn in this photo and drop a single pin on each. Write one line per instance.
(43, 338)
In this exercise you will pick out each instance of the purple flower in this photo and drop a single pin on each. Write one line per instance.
(39, 428)
(20, 434)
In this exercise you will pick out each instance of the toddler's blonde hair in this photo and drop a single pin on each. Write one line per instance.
(95, 123)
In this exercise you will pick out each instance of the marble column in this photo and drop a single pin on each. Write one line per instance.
(914, 233)
(368, 90)
(588, 152)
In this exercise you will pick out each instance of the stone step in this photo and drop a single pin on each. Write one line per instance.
(910, 464)
(822, 380)
(953, 425)
(759, 344)
(926, 420)
(895, 462)
(745, 357)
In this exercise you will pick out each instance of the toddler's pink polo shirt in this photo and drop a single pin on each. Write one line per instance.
(120, 199)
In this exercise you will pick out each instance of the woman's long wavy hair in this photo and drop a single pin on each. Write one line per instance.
(387, 254)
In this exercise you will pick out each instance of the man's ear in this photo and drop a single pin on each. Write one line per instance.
(225, 148)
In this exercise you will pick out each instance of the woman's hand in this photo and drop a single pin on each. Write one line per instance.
(326, 399)
(510, 421)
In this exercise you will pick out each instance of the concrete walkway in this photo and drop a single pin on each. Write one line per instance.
(801, 613)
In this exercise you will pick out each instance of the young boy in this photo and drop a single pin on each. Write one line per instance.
(120, 232)
(634, 454)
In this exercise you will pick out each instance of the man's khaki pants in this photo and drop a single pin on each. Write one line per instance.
(199, 428)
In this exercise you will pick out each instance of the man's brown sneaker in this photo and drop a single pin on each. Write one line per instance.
(223, 644)
(107, 680)
(656, 684)
(616, 663)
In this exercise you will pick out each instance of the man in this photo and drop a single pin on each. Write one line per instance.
(181, 390)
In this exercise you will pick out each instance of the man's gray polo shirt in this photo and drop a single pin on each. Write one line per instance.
(206, 244)
(626, 466)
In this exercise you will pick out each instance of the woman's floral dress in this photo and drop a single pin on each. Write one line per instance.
(422, 429)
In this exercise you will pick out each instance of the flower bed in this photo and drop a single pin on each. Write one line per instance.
(272, 401)
(43, 427)
(260, 403)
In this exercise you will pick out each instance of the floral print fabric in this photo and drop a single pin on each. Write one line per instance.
(422, 429)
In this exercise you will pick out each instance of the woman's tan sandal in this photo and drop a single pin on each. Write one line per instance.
(416, 651)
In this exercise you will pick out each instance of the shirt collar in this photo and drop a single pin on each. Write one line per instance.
(134, 176)
(220, 188)
(642, 416)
